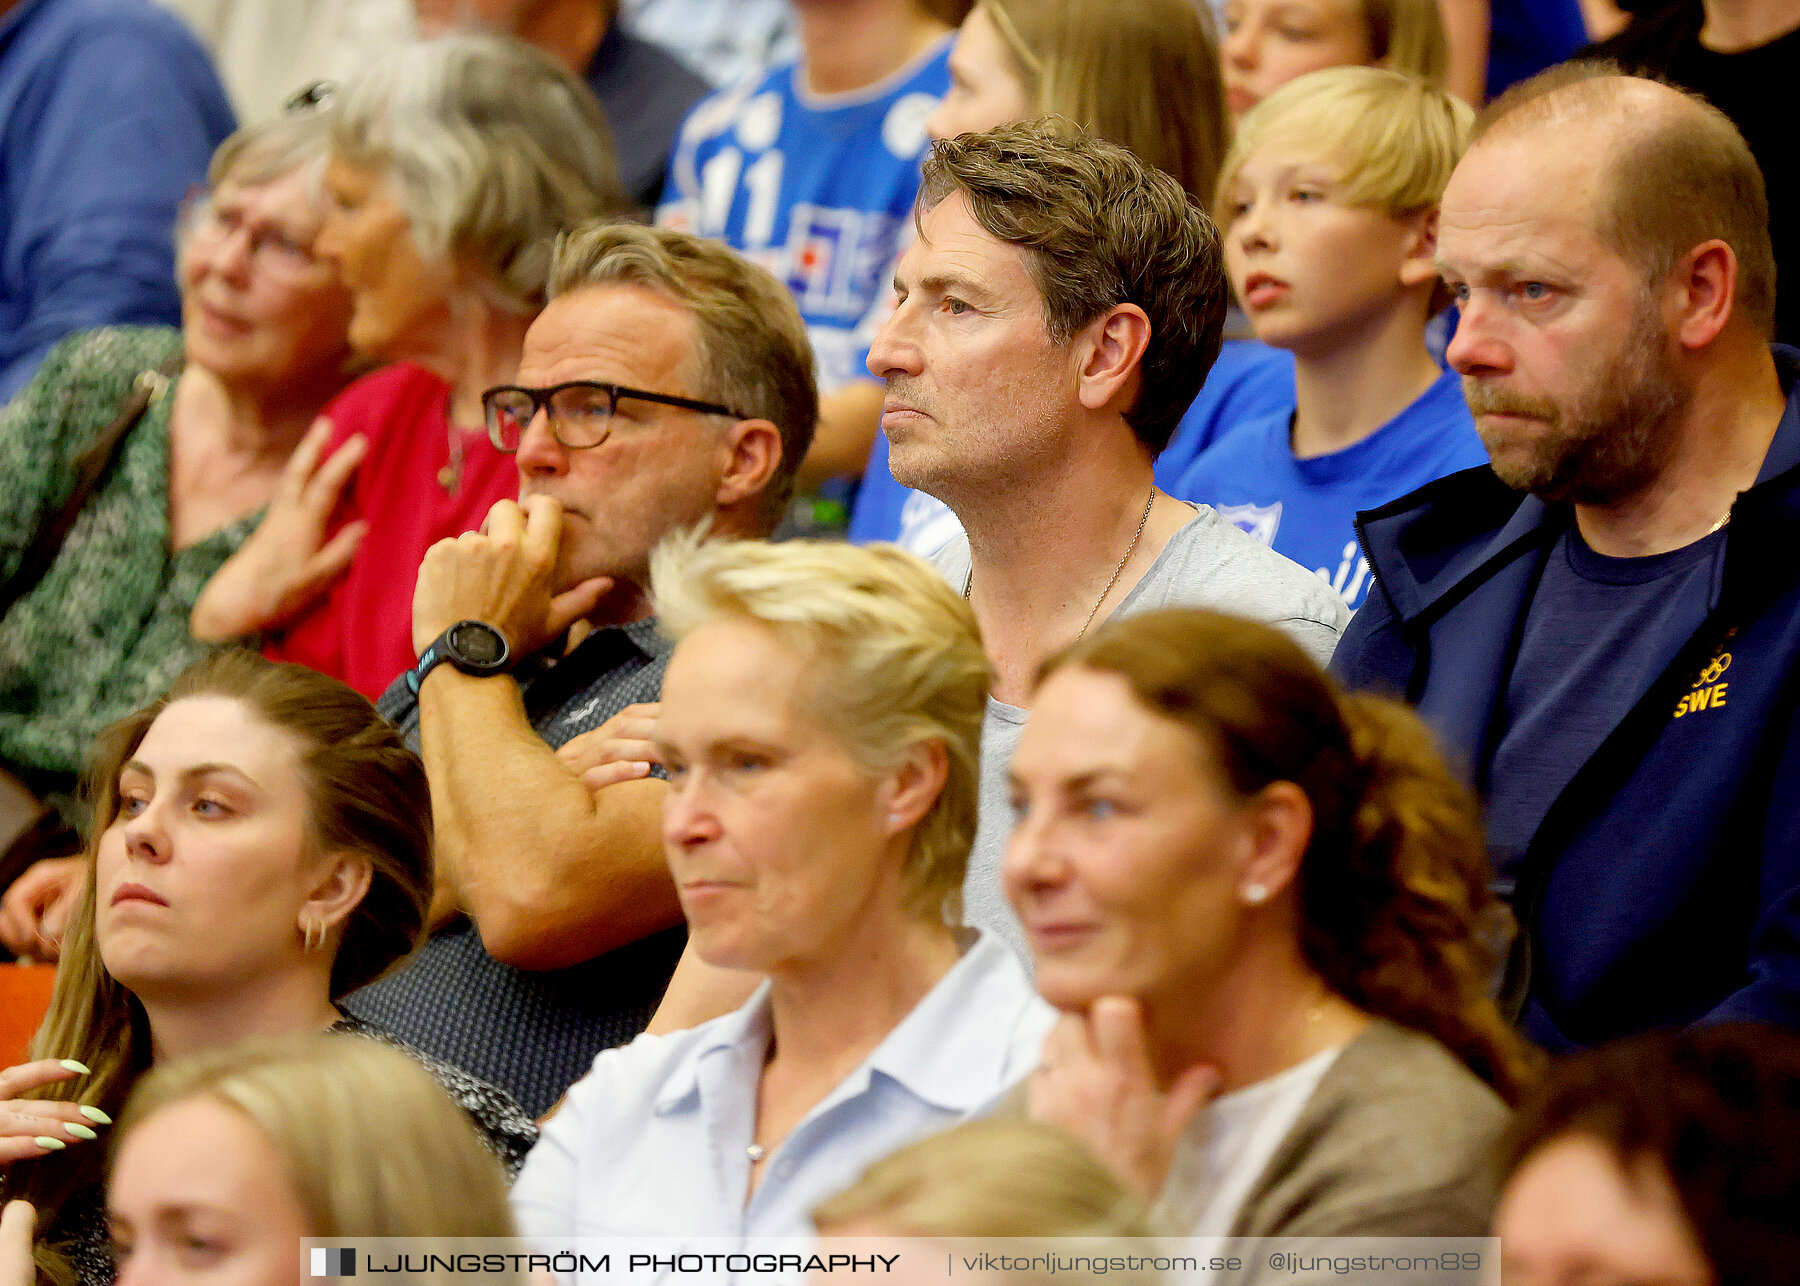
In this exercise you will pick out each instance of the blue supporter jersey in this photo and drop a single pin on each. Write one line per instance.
(1307, 509)
(1250, 380)
(816, 188)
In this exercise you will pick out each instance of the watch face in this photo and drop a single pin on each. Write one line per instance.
(477, 644)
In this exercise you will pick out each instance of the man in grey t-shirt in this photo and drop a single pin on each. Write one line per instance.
(1058, 312)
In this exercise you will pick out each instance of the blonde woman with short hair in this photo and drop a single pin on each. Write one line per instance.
(819, 723)
(454, 164)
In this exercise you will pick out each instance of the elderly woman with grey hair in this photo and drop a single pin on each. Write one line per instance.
(131, 467)
(455, 162)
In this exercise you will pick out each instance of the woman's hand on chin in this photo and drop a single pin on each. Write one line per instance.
(1096, 1081)
(37, 1127)
(287, 562)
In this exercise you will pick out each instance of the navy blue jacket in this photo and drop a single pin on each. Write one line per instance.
(1663, 886)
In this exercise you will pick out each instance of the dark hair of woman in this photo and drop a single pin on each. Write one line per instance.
(1717, 1108)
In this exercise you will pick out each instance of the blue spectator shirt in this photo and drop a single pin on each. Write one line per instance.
(1250, 380)
(1527, 36)
(1307, 509)
(1597, 633)
(109, 113)
(816, 188)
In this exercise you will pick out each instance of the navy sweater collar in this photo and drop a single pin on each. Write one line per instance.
(1428, 549)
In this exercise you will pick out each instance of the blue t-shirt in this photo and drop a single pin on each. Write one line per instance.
(1597, 634)
(109, 113)
(1249, 381)
(1307, 509)
(1526, 36)
(816, 188)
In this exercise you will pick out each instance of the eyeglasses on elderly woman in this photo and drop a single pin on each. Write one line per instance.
(581, 412)
(205, 222)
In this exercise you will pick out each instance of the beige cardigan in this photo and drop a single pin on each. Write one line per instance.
(1398, 1140)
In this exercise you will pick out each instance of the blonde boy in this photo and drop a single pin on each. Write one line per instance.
(1328, 205)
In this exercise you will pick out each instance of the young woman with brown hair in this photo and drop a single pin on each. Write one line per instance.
(261, 847)
(1241, 885)
(1267, 44)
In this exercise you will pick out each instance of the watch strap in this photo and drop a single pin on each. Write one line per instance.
(439, 650)
(429, 660)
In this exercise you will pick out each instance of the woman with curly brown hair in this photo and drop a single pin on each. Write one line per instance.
(1249, 892)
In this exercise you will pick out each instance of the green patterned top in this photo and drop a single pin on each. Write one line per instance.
(106, 630)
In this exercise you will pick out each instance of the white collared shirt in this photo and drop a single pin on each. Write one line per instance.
(653, 1141)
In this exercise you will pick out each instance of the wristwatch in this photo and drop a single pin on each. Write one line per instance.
(474, 647)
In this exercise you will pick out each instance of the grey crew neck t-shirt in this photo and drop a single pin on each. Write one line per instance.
(1208, 563)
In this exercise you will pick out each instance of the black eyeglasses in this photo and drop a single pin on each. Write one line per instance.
(581, 412)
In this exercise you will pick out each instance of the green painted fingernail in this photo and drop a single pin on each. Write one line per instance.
(80, 1131)
(74, 1066)
(95, 1115)
(45, 1141)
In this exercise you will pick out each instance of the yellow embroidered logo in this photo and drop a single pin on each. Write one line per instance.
(1709, 690)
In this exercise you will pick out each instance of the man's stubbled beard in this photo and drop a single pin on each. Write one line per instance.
(1608, 439)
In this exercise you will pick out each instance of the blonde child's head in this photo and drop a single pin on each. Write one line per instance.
(1360, 139)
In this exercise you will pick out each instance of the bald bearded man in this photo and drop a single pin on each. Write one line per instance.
(1605, 626)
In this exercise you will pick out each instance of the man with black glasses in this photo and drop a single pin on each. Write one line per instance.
(668, 383)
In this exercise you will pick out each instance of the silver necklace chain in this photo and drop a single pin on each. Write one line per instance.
(1149, 503)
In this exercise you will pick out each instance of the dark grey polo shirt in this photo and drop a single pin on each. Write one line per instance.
(534, 1034)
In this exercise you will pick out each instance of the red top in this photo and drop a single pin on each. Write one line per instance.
(361, 631)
